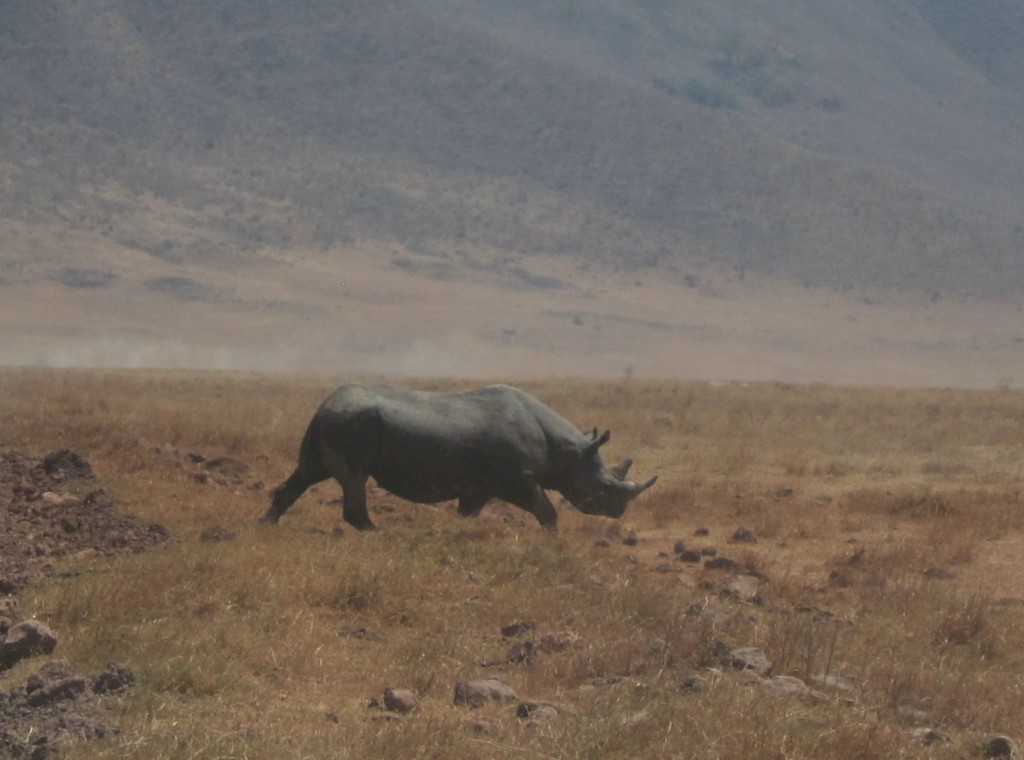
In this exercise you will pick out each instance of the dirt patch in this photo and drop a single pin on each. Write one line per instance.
(52, 513)
(56, 705)
(52, 510)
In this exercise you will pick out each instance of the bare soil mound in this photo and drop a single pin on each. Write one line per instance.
(52, 509)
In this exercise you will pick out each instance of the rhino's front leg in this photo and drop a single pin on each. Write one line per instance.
(537, 503)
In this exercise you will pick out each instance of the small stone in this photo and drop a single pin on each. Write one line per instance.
(524, 652)
(518, 628)
(692, 685)
(702, 532)
(930, 736)
(999, 746)
(631, 539)
(743, 587)
(679, 547)
(743, 536)
(540, 712)
(116, 677)
(691, 556)
(400, 700)
(750, 658)
(480, 692)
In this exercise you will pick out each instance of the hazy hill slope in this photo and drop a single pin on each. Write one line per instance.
(835, 144)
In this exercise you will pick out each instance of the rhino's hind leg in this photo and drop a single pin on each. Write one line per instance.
(470, 506)
(290, 490)
(354, 510)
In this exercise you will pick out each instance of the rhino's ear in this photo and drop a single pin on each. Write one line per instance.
(591, 434)
(597, 443)
(621, 470)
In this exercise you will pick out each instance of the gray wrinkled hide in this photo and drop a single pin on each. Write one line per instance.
(473, 446)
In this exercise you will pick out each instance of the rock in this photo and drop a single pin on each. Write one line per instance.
(116, 677)
(750, 658)
(480, 692)
(631, 539)
(743, 587)
(689, 555)
(939, 574)
(59, 690)
(83, 727)
(680, 547)
(517, 628)
(541, 712)
(478, 726)
(57, 499)
(999, 746)
(929, 736)
(25, 639)
(65, 464)
(400, 700)
(743, 536)
(692, 685)
(719, 563)
(524, 651)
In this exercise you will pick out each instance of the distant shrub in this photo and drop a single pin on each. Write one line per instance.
(709, 95)
(182, 288)
(84, 278)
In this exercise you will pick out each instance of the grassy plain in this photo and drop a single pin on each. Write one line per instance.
(889, 527)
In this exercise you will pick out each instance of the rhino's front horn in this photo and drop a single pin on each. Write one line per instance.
(639, 489)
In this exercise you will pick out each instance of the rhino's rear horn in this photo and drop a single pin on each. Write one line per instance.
(621, 470)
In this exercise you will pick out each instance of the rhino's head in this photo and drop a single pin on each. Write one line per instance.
(598, 490)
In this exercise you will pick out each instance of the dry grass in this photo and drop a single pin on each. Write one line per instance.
(889, 527)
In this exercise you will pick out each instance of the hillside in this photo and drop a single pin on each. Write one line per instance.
(149, 150)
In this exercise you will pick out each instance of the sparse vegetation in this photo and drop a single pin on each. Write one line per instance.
(271, 643)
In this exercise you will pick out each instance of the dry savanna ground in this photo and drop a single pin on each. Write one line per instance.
(885, 577)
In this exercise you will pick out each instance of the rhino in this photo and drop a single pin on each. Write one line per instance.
(496, 442)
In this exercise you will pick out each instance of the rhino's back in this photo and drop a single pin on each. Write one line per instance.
(496, 418)
(432, 446)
